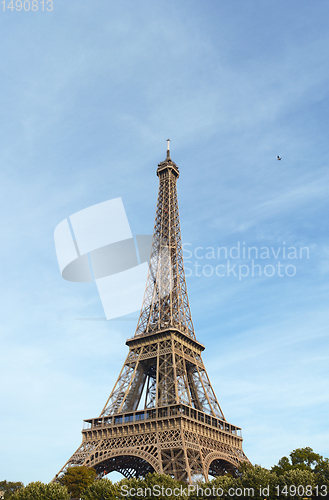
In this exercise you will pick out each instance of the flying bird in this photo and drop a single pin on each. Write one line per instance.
(278, 158)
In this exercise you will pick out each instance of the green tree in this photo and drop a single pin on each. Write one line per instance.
(301, 458)
(220, 487)
(253, 482)
(159, 486)
(10, 487)
(322, 476)
(284, 465)
(296, 482)
(305, 458)
(77, 479)
(40, 491)
(257, 482)
(102, 489)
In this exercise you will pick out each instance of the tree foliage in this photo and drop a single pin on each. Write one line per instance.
(102, 489)
(40, 491)
(301, 458)
(154, 482)
(77, 479)
(253, 481)
(304, 469)
(10, 487)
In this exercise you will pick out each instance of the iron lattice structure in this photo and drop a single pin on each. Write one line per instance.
(162, 414)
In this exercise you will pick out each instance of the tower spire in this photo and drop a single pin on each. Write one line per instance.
(168, 148)
(165, 302)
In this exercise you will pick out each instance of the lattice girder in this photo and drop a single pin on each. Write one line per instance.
(165, 301)
(170, 366)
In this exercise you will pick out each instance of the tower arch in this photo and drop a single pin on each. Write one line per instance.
(219, 464)
(130, 464)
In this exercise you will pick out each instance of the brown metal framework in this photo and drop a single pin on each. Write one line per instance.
(162, 414)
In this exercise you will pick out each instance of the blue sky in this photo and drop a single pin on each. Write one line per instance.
(89, 94)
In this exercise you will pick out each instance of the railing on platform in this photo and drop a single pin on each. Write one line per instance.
(158, 413)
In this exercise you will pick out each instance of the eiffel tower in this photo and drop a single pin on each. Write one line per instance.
(162, 414)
